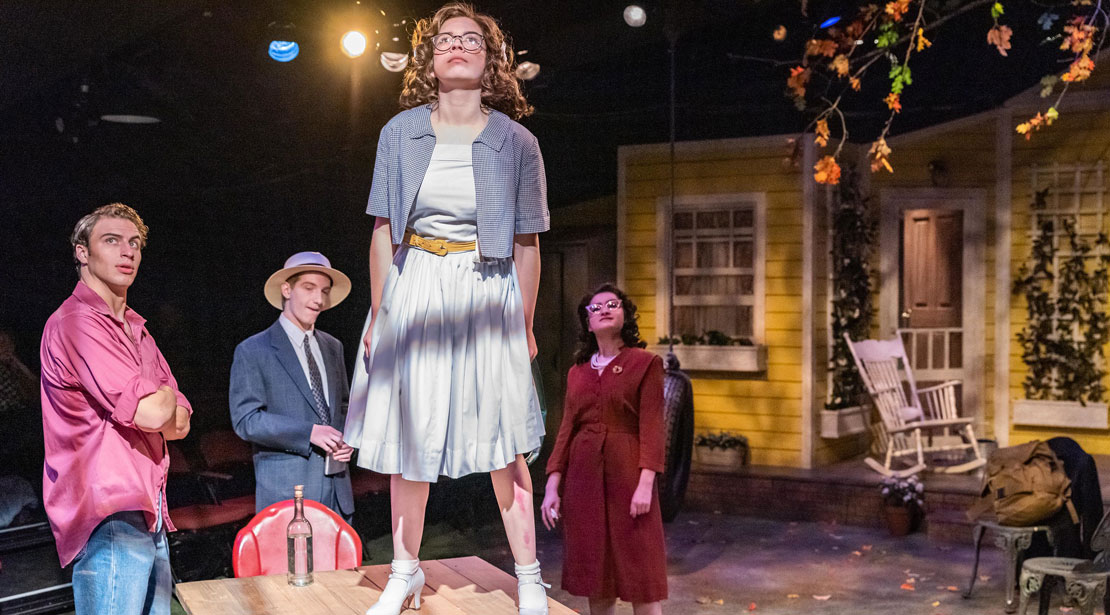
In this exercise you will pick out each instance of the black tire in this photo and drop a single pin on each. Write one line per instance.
(678, 425)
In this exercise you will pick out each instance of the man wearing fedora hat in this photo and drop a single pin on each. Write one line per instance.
(289, 390)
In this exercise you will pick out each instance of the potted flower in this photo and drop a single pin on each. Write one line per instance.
(852, 240)
(903, 502)
(721, 450)
(1064, 285)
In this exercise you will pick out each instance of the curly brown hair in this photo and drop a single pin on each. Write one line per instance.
(630, 332)
(500, 85)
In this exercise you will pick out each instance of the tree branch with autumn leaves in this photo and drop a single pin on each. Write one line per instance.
(889, 36)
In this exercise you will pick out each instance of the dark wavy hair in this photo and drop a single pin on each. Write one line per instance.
(630, 332)
(500, 85)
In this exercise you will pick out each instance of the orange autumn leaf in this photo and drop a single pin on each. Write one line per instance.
(1080, 37)
(1035, 123)
(879, 154)
(999, 36)
(799, 77)
(855, 83)
(897, 9)
(893, 103)
(908, 587)
(823, 47)
(1080, 69)
(822, 131)
(922, 42)
(828, 171)
(841, 65)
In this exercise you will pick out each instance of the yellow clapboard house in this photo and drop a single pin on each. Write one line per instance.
(748, 236)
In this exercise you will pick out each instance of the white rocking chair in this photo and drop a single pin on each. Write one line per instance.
(912, 425)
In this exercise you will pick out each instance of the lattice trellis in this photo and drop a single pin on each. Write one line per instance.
(1071, 200)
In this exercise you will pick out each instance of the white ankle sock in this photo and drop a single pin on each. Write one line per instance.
(404, 566)
(530, 586)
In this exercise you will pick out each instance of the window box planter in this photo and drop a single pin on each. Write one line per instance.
(1060, 414)
(844, 422)
(699, 358)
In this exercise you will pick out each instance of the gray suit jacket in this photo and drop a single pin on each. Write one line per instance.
(272, 408)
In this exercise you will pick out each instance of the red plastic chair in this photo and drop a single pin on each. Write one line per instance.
(260, 548)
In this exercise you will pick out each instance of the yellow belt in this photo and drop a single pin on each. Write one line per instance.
(439, 247)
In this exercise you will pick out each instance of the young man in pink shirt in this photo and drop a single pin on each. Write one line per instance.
(109, 403)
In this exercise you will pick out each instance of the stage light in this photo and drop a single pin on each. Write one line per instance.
(634, 15)
(353, 43)
(831, 21)
(394, 62)
(284, 51)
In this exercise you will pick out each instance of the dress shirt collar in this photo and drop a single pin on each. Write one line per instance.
(296, 335)
(88, 296)
(493, 135)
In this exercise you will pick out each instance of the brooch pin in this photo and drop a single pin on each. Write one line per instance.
(617, 369)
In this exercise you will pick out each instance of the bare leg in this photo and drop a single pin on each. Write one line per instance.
(407, 499)
(603, 606)
(513, 487)
(647, 608)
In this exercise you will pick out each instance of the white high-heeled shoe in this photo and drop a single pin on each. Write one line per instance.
(528, 581)
(406, 581)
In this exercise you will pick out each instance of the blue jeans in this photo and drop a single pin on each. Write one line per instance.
(123, 569)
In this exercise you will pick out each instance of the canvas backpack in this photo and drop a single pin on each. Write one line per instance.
(1024, 484)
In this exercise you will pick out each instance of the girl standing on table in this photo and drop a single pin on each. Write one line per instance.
(443, 384)
(608, 451)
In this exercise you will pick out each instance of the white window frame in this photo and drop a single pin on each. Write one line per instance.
(664, 244)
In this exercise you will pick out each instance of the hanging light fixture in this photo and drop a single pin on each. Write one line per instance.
(283, 47)
(635, 15)
(527, 71)
(394, 62)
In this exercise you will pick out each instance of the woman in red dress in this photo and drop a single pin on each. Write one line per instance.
(606, 456)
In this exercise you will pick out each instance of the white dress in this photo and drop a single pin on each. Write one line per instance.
(447, 389)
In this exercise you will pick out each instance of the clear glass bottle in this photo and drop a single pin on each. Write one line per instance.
(299, 542)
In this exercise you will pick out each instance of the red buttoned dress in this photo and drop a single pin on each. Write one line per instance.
(612, 427)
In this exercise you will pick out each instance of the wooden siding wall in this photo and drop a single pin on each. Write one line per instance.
(764, 407)
(1077, 137)
(967, 150)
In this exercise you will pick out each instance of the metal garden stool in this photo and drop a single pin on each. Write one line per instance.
(1013, 541)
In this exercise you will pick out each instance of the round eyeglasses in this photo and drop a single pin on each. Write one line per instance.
(471, 41)
(610, 305)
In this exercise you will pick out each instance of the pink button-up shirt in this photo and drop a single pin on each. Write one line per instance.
(97, 461)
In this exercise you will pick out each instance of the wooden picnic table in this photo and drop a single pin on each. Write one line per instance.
(458, 586)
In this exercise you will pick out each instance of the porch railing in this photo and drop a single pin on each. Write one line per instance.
(936, 354)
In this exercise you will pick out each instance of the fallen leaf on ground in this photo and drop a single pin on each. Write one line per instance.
(952, 588)
(908, 587)
(825, 597)
(857, 553)
(721, 601)
(936, 603)
(703, 600)
(751, 607)
(792, 596)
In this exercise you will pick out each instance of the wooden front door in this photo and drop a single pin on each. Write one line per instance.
(932, 271)
(932, 297)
